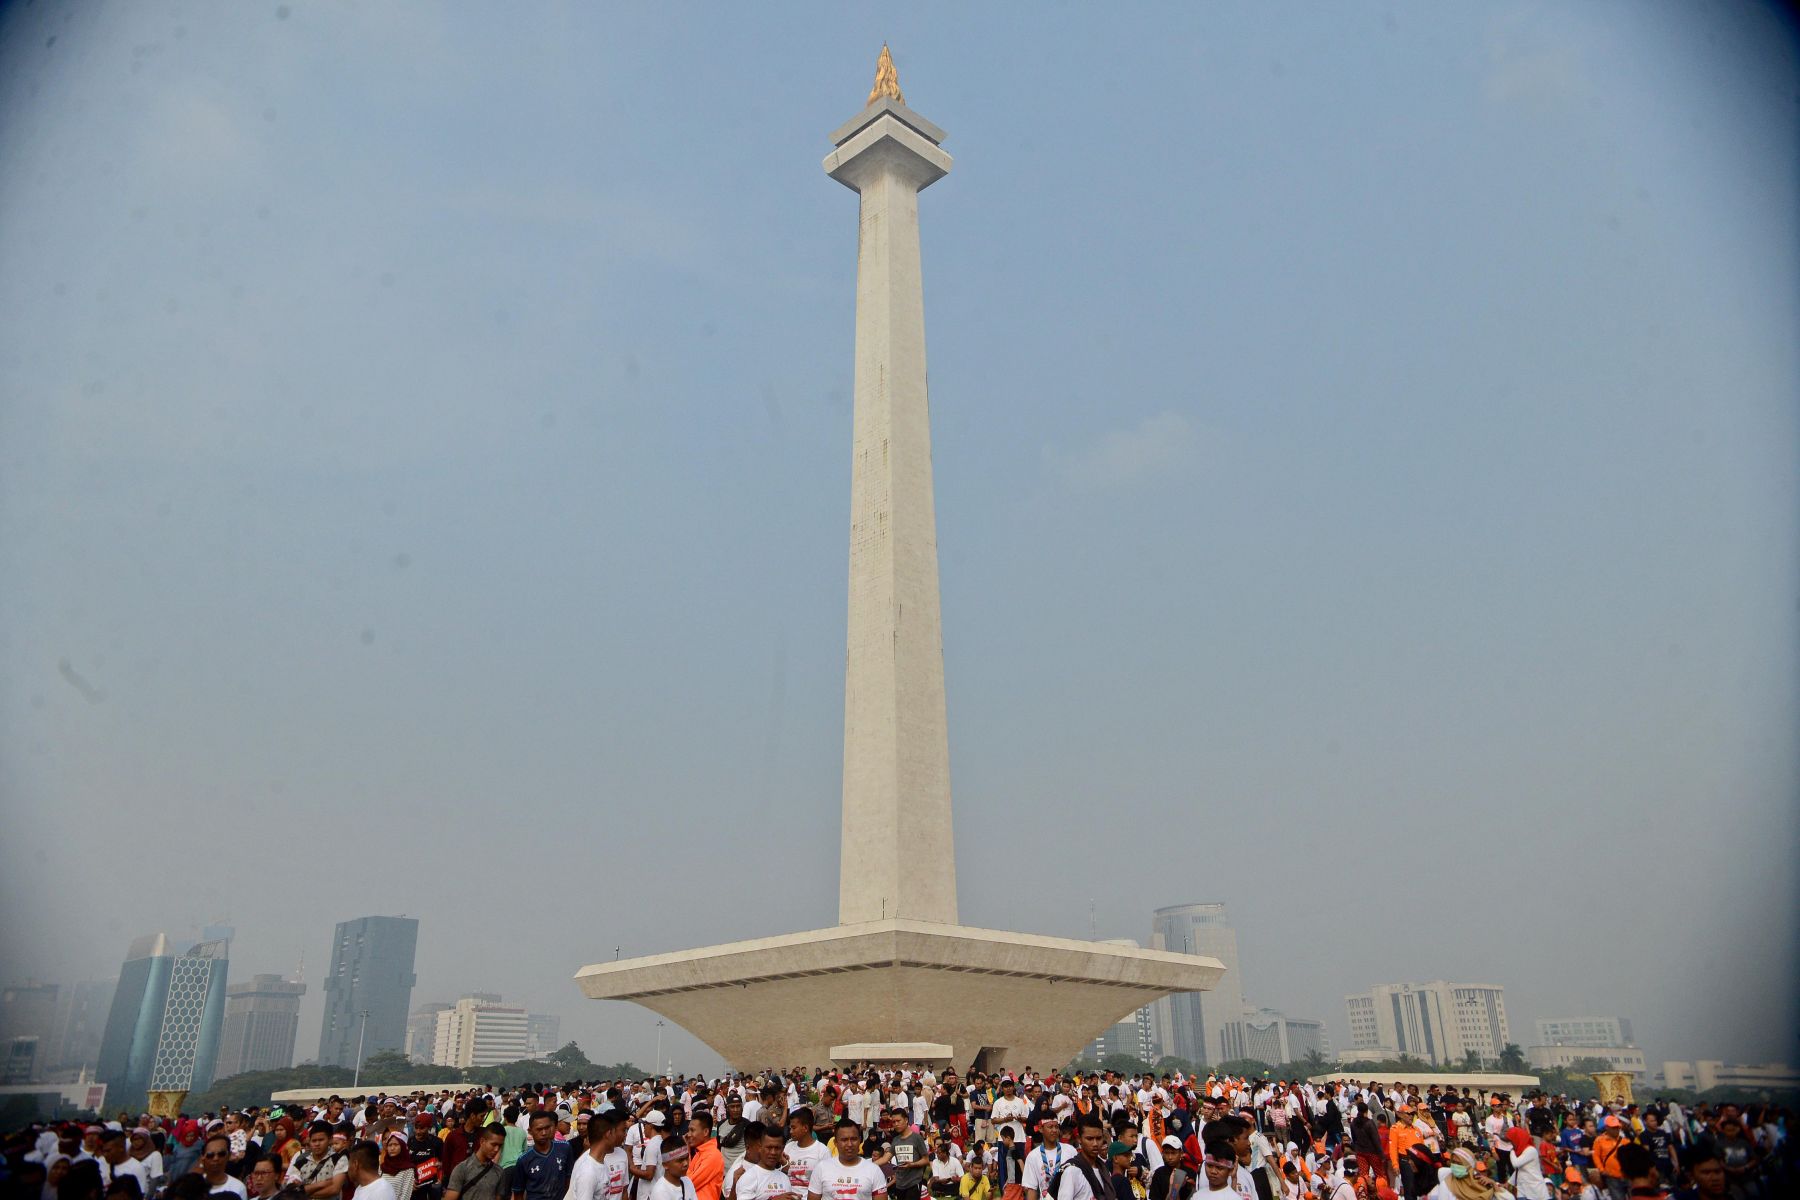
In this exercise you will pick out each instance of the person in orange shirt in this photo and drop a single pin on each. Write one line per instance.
(1606, 1156)
(706, 1167)
(1402, 1137)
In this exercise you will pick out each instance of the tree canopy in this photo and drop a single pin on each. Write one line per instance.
(387, 1068)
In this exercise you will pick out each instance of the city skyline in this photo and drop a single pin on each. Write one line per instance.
(1400, 472)
(1258, 1031)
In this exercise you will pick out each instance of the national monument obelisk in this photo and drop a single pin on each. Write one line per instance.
(897, 978)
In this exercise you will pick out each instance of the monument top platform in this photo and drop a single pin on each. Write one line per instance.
(1015, 999)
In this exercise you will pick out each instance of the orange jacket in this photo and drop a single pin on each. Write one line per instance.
(707, 1170)
(1606, 1154)
(1402, 1137)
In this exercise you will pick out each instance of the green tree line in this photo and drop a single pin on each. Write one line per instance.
(388, 1068)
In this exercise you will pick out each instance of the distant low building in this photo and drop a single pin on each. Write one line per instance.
(1703, 1075)
(1629, 1059)
(1585, 1031)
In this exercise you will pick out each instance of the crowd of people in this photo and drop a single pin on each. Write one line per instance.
(899, 1133)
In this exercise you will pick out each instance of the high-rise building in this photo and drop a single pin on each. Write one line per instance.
(262, 1020)
(480, 1033)
(27, 1021)
(544, 1034)
(421, 1030)
(1439, 1022)
(1272, 1037)
(1133, 1034)
(81, 1013)
(162, 1033)
(1585, 1031)
(1194, 1025)
(368, 991)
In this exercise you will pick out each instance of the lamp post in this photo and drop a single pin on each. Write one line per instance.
(659, 1029)
(361, 1033)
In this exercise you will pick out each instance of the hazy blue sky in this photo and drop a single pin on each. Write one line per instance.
(1365, 442)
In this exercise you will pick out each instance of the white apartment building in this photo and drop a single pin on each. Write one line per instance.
(480, 1033)
(1439, 1022)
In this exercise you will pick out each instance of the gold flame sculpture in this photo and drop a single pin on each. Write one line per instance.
(887, 80)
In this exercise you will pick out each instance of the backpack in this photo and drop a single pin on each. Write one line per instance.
(1101, 1191)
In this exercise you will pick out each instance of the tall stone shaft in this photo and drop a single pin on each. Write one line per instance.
(898, 854)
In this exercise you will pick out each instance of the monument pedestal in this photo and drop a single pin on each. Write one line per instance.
(981, 996)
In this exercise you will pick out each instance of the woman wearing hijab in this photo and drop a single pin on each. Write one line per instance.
(1528, 1182)
(142, 1146)
(1463, 1179)
(397, 1163)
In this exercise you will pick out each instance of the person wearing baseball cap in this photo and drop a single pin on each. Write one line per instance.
(645, 1143)
(1170, 1181)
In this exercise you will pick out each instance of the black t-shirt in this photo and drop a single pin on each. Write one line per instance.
(1656, 1141)
(1159, 1181)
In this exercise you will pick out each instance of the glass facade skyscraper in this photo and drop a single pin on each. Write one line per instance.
(162, 1033)
(1196, 1025)
(368, 991)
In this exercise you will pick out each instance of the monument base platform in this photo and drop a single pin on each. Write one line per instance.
(987, 998)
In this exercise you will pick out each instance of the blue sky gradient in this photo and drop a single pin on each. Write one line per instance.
(1365, 447)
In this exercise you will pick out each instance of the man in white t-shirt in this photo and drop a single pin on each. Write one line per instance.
(804, 1152)
(1088, 1176)
(645, 1145)
(1010, 1109)
(847, 1175)
(944, 1173)
(365, 1173)
(1042, 1161)
(591, 1177)
(114, 1157)
(759, 1176)
(618, 1159)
